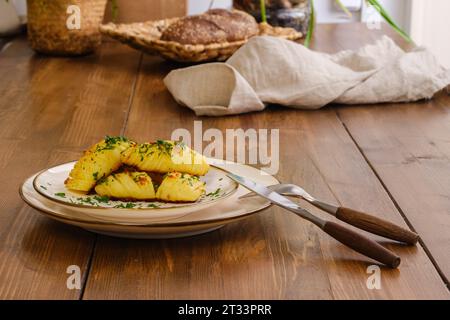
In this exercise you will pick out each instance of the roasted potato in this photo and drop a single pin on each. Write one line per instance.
(180, 187)
(166, 156)
(99, 161)
(127, 185)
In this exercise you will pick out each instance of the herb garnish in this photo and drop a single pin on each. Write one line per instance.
(214, 194)
(129, 205)
(164, 146)
(101, 199)
(110, 143)
(102, 180)
(87, 200)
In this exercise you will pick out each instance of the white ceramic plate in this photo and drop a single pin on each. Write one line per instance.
(50, 184)
(230, 210)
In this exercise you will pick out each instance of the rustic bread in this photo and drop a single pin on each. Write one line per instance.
(194, 30)
(214, 26)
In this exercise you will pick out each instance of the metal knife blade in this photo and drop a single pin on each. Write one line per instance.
(276, 198)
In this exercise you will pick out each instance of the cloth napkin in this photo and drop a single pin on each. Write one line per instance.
(273, 70)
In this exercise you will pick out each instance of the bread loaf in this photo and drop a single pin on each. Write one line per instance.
(214, 26)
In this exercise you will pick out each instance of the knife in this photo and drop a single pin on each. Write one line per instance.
(346, 236)
(359, 219)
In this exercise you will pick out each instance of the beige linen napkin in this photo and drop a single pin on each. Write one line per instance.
(273, 70)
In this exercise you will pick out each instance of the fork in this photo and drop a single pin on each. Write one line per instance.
(359, 219)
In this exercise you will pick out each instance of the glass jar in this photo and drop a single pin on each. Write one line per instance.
(284, 13)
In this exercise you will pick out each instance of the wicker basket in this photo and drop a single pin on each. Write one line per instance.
(146, 36)
(48, 33)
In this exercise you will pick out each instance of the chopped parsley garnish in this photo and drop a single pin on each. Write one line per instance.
(102, 180)
(87, 200)
(102, 199)
(180, 144)
(152, 205)
(110, 143)
(164, 146)
(60, 194)
(128, 205)
(143, 149)
(189, 179)
(43, 187)
(113, 140)
(95, 175)
(160, 146)
(214, 194)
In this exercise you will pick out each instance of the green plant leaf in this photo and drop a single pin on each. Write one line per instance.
(377, 6)
(311, 24)
(343, 8)
(263, 11)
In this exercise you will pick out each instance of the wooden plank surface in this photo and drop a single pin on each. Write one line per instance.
(408, 146)
(272, 255)
(50, 110)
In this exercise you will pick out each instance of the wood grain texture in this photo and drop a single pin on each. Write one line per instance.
(274, 254)
(50, 109)
(408, 147)
(144, 10)
(362, 244)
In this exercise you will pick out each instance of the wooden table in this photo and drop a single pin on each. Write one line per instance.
(391, 159)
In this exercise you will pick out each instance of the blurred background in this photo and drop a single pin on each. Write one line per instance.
(426, 21)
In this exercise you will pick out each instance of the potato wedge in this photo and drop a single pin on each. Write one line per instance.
(127, 185)
(166, 156)
(180, 187)
(97, 162)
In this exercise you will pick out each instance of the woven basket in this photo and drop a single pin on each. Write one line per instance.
(48, 33)
(146, 36)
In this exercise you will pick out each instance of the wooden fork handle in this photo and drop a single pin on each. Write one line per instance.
(376, 225)
(361, 244)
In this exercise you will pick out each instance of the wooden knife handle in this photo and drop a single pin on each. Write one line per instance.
(376, 225)
(361, 244)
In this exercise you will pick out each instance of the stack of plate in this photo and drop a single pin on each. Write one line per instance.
(45, 191)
